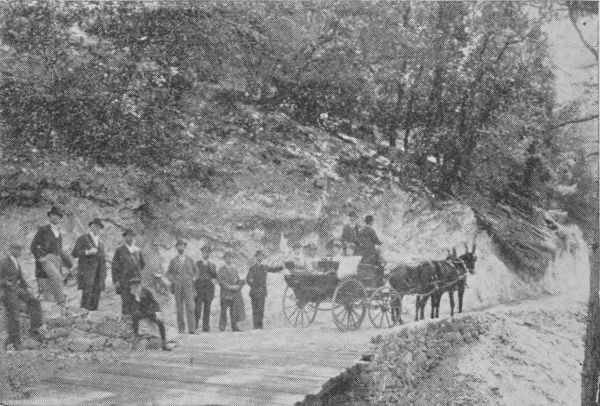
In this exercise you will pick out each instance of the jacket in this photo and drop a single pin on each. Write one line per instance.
(44, 243)
(180, 272)
(126, 266)
(257, 278)
(228, 282)
(11, 276)
(91, 267)
(350, 234)
(147, 303)
(205, 288)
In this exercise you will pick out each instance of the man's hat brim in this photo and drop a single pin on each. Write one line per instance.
(206, 248)
(180, 243)
(96, 222)
(128, 232)
(54, 212)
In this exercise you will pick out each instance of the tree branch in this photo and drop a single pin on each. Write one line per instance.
(581, 37)
(574, 121)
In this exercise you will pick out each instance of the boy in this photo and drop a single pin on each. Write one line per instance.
(231, 285)
(145, 306)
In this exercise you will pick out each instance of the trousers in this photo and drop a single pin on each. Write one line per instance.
(11, 298)
(227, 305)
(137, 316)
(258, 310)
(184, 300)
(203, 312)
(52, 286)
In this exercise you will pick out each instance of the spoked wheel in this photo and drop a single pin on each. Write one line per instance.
(298, 314)
(349, 305)
(384, 307)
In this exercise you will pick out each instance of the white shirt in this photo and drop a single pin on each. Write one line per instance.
(55, 230)
(14, 260)
(95, 238)
(132, 249)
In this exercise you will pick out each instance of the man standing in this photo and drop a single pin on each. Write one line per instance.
(145, 306)
(257, 280)
(91, 273)
(350, 232)
(205, 288)
(47, 248)
(14, 289)
(127, 264)
(230, 286)
(370, 245)
(182, 273)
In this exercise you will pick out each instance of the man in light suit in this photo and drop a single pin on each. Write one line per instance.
(47, 248)
(182, 273)
(127, 264)
(92, 265)
(14, 290)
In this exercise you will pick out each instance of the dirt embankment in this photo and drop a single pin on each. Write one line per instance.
(524, 354)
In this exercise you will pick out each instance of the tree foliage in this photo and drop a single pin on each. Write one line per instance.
(464, 88)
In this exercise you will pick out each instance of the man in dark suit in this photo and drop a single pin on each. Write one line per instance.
(350, 232)
(257, 280)
(205, 288)
(91, 271)
(14, 290)
(127, 264)
(182, 274)
(145, 306)
(370, 245)
(47, 248)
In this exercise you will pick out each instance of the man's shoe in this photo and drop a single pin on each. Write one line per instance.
(165, 347)
(36, 335)
(236, 328)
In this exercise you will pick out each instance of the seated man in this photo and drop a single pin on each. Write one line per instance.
(14, 290)
(310, 258)
(145, 306)
(331, 261)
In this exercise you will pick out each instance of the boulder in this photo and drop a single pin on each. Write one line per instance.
(98, 343)
(80, 345)
(31, 344)
(118, 344)
(58, 333)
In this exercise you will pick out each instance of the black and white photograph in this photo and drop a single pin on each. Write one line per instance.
(299, 203)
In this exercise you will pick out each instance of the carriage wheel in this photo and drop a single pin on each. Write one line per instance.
(385, 307)
(349, 305)
(298, 314)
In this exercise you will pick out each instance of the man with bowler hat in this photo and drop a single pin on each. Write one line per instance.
(257, 280)
(47, 248)
(91, 272)
(182, 273)
(205, 288)
(127, 264)
(14, 290)
(230, 286)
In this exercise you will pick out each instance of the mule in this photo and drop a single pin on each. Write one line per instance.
(420, 279)
(453, 276)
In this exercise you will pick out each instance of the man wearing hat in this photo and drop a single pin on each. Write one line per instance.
(127, 264)
(230, 286)
(257, 280)
(91, 270)
(370, 244)
(47, 248)
(182, 273)
(145, 306)
(205, 288)
(14, 290)
(350, 232)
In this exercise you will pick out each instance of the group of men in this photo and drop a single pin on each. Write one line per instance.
(191, 282)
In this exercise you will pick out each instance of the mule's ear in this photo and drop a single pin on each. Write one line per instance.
(474, 247)
(453, 251)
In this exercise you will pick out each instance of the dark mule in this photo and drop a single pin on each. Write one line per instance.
(417, 280)
(453, 276)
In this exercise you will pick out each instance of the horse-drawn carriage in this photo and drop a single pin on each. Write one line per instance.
(354, 290)
(350, 291)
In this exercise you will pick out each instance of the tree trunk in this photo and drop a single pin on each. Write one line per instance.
(591, 359)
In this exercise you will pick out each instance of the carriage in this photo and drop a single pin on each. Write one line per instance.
(350, 290)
